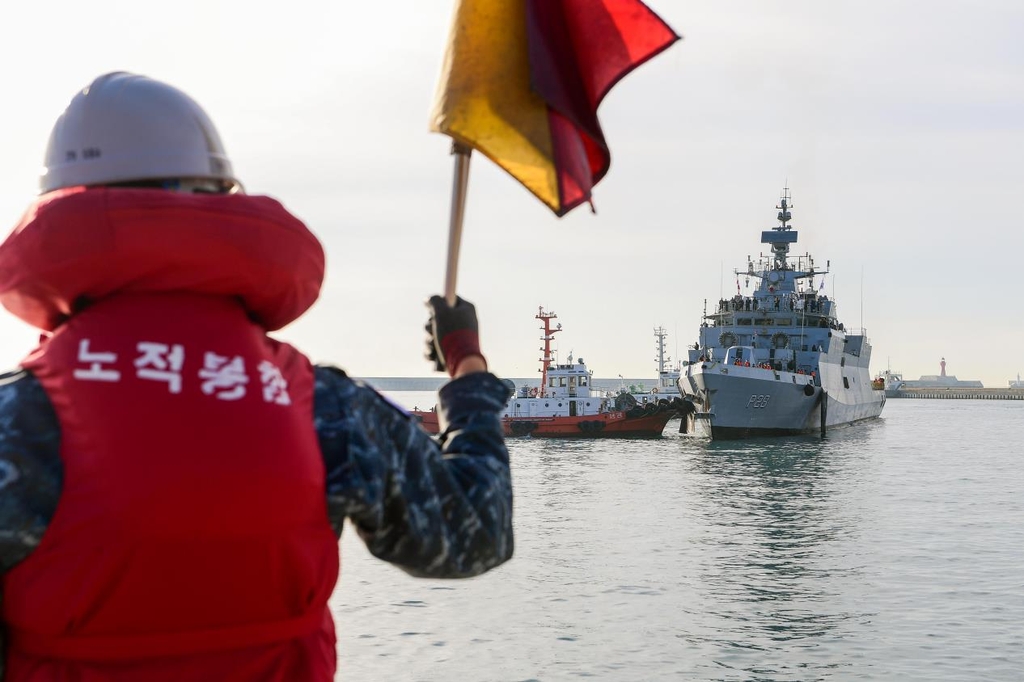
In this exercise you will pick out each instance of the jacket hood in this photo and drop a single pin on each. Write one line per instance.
(80, 244)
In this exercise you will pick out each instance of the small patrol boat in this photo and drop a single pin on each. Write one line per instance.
(567, 405)
(779, 361)
(891, 383)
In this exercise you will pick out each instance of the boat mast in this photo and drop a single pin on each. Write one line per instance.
(549, 334)
(660, 334)
(781, 236)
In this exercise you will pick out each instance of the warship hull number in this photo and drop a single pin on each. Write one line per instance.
(758, 401)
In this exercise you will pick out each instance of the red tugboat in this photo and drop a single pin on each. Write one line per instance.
(566, 405)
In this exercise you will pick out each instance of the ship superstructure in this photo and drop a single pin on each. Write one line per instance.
(668, 373)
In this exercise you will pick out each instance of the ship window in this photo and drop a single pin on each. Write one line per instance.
(763, 323)
(744, 321)
(784, 321)
(583, 381)
(846, 382)
(561, 381)
(842, 361)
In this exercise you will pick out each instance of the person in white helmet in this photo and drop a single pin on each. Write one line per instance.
(174, 481)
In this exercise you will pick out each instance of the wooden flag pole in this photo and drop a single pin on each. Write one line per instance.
(459, 183)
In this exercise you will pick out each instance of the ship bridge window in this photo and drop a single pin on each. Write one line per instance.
(583, 381)
(744, 321)
(763, 322)
(784, 322)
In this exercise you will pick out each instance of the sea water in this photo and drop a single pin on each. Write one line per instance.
(891, 550)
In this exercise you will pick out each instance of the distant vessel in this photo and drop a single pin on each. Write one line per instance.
(889, 381)
(1017, 384)
(892, 382)
(777, 362)
(566, 404)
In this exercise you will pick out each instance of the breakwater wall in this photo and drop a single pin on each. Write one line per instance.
(961, 393)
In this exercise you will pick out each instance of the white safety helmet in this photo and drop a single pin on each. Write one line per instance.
(125, 129)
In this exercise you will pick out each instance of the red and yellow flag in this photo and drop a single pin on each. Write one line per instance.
(522, 80)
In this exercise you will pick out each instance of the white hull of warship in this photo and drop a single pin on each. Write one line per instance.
(777, 362)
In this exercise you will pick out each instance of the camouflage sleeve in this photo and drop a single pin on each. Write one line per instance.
(436, 507)
(30, 466)
(30, 470)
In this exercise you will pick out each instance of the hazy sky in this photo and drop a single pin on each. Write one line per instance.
(898, 125)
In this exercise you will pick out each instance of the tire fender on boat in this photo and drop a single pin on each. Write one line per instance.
(522, 428)
(780, 340)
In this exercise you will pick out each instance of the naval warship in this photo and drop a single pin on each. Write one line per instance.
(777, 362)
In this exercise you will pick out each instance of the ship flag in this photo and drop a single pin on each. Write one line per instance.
(521, 82)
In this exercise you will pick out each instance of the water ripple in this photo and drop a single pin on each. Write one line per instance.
(888, 551)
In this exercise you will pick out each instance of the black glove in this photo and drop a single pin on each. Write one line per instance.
(452, 334)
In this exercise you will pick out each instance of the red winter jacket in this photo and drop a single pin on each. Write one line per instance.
(180, 418)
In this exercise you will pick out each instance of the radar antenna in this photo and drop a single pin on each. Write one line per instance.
(784, 205)
(782, 235)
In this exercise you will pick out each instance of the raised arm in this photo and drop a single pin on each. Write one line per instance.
(439, 508)
(30, 470)
(30, 467)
